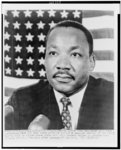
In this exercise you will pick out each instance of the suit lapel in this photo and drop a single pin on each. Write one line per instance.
(56, 122)
(51, 109)
(86, 113)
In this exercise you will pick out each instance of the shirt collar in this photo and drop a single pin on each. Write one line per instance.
(75, 99)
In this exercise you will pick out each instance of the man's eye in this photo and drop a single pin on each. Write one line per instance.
(76, 55)
(52, 53)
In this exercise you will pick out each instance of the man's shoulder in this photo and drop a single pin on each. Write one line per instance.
(37, 87)
(101, 89)
(101, 83)
(31, 93)
(99, 99)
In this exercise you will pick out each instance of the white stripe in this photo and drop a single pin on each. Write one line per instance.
(104, 66)
(104, 44)
(16, 82)
(98, 22)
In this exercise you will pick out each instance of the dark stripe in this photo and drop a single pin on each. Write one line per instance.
(104, 55)
(96, 13)
(103, 33)
(105, 75)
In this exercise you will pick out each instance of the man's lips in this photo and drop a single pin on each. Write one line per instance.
(63, 76)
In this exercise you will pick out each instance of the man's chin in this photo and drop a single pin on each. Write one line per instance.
(63, 88)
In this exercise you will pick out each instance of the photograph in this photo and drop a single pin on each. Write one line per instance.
(60, 73)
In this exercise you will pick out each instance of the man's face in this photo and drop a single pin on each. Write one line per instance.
(67, 60)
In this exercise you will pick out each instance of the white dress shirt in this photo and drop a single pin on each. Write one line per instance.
(74, 108)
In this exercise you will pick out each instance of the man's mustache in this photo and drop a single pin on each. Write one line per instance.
(63, 72)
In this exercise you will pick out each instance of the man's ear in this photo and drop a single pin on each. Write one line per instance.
(92, 62)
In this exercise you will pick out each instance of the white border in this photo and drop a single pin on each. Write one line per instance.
(113, 140)
(60, 6)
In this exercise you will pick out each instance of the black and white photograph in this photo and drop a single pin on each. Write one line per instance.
(60, 73)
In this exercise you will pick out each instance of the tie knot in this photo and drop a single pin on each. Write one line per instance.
(65, 101)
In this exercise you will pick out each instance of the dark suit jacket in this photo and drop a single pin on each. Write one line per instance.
(96, 110)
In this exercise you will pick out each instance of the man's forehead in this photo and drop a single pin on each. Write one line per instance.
(68, 38)
(71, 31)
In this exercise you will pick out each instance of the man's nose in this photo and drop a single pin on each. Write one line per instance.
(63, 63)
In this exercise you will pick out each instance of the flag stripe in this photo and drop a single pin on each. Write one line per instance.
(104, 55)
(97, 13)
(104, 66)
(18, 82)
(103, 33)
(99, 22)
(107, 76)
(104, 44)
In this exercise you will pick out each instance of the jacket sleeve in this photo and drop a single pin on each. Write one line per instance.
(12, 116)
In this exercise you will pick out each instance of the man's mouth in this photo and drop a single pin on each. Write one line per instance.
(62, 77)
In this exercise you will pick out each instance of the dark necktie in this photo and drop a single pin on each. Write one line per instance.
(66, 118)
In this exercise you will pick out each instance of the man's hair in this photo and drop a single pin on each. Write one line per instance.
(77, 25)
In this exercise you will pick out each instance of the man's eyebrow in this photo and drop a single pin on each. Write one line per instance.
(74, 47)
(52, 46)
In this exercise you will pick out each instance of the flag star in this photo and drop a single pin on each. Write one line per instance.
(15, 13)
(51, 13)
(29, 37)
(64, 14)
(41, 49)
(7, 58)
(6, 36)
(41, 61)
(40, 25)
(27, 13)
(19, 72)
(41, 37)
(30, 72)
(18, 48)
(40, 13)
(76, 14)
(16, 25)
(42, 73)
(18, 60)
(30, 61)
(6, 23)
(8, 70)
(28, 25)
(52, 24)
(29, 49)
(18, 37)
(6, 47)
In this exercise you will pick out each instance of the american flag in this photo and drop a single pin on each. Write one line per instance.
(25, 33)
(24, 42)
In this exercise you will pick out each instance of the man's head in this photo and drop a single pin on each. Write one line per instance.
(69, 57)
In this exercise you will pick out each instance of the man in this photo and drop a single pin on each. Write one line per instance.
(71, 98)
